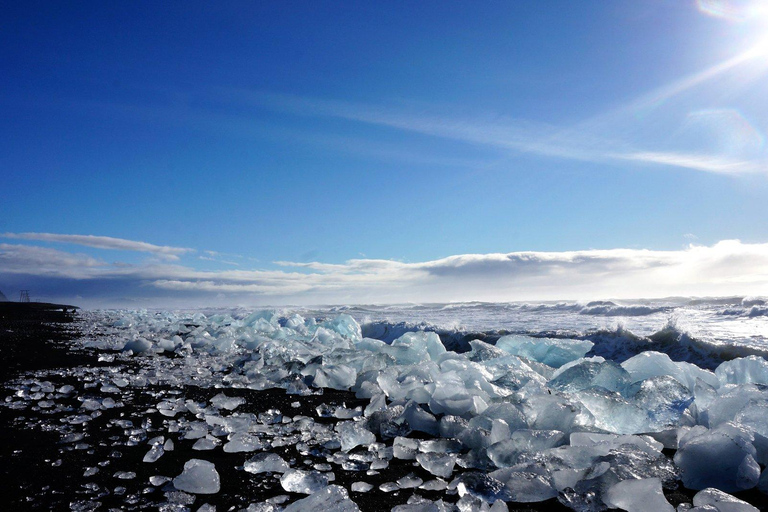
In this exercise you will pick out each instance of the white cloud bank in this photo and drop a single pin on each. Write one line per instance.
(725, 268)
(104, 242)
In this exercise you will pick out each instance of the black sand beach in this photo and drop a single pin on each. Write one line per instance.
(52, 462)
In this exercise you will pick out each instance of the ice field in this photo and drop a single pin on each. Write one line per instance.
(585, 406)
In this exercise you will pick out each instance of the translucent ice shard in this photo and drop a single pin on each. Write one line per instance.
(437, 463)
(198, 477)
(643, 495)
(353, 433)
(722, 501)
(550, 351)
(303, 482)
(330, 499)
(721, 458)
(266, 463)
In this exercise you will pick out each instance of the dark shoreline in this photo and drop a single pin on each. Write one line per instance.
(42, 472)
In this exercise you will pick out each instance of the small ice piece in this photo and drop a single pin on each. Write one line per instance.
(480, 485)
(722, 458)
(304, 482)
(405, 448)
(168, 445)
(329, 499)
(743, 370)
(643, 495)
(550, 351)
(353, 433)
(438, 484)
(722, 501)
(198, 477)
(389, 487)
(409, 481)
(266, 463)
(158, 480)
(295, 405)
(154, 453)
(586, 373)
(526, 486)
(242, 443)
(361, 487)
(137, 346)
(125, 475)
(419, 419)
(206, 443)
(223, 401)
(436, 463)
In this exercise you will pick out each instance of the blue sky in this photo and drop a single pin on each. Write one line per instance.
(245, 136)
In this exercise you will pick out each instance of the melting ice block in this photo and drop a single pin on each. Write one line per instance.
(304, 482)
(585, 374)
(550, 351)
(643, 495)
(266, 463)
(352, 434)
(722, 501)
(437, 463)
(328, 499)
(723, 458)
(743, 370)
(198, 477)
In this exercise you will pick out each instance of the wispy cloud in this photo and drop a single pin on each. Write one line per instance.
(621, 134)
(728, 267)
(104, 242)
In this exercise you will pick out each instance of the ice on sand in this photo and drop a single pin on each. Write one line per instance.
(303, 482)
(328, 499)
(266, 463)
(198, 477)
(642, 495)
(722, 458)
(722, 501)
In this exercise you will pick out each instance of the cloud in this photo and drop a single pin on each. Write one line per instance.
(639, 130)
(104, 242)
(726, 268)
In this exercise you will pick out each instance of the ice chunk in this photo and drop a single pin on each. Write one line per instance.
(138, 346)
(652, 364)
(419, 419)
(242, 443)
(480, 485)
(643, 495)
(550, 351)
(353, 433)
(266, 463)
(328, 499)
(436, 463)
(586, 374)
(409, 481)
(223, 401)
(722, 458)
(198, 477)
(154, 453)
(665, 399)
(743, 370)
(206, 443)
(612, 412)
(304, 482)
(404, 448)
(361, 487)
(421, 346)
(724, 502)
(506, 453)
